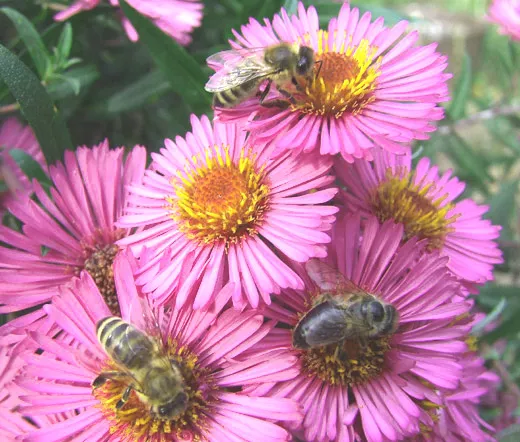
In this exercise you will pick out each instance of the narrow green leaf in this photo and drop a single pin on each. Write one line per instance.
(492, 316)
(473, 167)
(291, 6)
(30, 167)
(135, 95)
(32, 41)
(462, 90)
(64, 45)
(36, 106)
(502, 203)
(510, 434)
(72, 81)
(185, 75)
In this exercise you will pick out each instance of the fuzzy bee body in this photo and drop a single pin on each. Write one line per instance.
(244, 70)
(143, 366)
(342, 311)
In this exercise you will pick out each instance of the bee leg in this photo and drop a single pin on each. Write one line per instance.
(105, 376)
(124, 398)
(284, 104)
(319, 68)
(287, 95)
(264, 93)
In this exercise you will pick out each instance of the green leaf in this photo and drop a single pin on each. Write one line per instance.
(502, 203)
(135, 95)
(291, 6)
(36, 106)
(473, 167)
(510, 434)
(185, 75)
(30, 167)
(71, 82)
(502, 128)
(32, 41)
(64, 46)
(492, 316)
(462, 90)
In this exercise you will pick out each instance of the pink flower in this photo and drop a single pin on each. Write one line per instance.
(506, 14)
(216, 209)
(458, 419)
(371, 86)
(176, 18)
(427, 204)
(385, 388)
(70, 230)
(15, 136)
(204, 345)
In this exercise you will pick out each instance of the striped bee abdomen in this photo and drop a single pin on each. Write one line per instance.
(235, 95)
(124, 343)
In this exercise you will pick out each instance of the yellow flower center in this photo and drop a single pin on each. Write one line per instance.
(398, 198)
(99, 266)
(218, 200)
(134, 422)
(343, 80)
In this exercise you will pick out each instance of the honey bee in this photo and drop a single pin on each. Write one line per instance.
(143, 366)
(244, 70)
(342, 311)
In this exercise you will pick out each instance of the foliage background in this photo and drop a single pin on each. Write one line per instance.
(140, 93)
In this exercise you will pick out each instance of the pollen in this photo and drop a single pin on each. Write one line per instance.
(134, 422)
(398, 197)
(219, 200)
(344, 79)
(348, 363)
(99, 266)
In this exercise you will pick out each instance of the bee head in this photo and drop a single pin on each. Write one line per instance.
(173, 408)
(305, 60)
(382, 317)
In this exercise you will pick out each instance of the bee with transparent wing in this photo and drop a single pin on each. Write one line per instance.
(243, 71)
(341, 311)
(137, 350)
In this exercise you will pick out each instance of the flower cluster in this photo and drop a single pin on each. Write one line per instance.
(282, 272)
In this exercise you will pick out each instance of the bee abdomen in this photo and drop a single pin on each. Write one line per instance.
(235, 95)
(124, 343)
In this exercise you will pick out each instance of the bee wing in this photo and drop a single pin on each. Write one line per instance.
(328, 278)
(238, 68)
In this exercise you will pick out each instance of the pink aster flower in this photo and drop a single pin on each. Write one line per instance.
(506, 14)
(177, 18)
(386, 387)
(215, 208)
(70, 230)
(458, 419)
(15, 136)
(370, 85)
(428, 205)
(204, 345)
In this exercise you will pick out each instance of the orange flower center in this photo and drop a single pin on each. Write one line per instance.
(344, 80)
(218, 200)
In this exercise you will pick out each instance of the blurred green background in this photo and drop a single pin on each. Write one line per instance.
(140, 93)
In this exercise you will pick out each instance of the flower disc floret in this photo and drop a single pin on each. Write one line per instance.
(218, 200)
